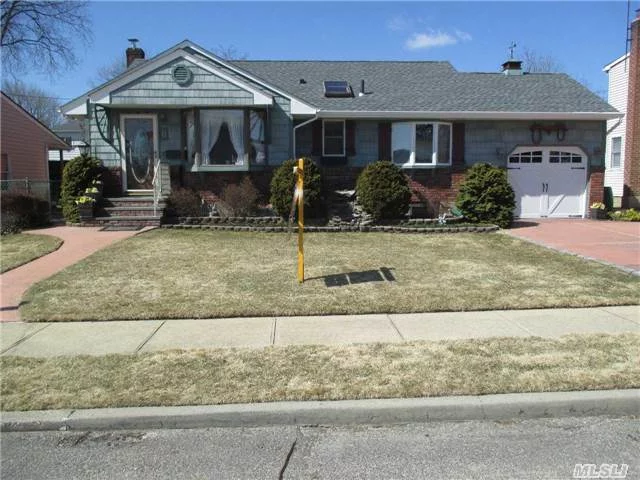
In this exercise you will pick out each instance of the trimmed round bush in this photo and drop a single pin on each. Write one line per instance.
(383, 191)
(183, 202)
(283, 186)
(486, 196)
(78, 175)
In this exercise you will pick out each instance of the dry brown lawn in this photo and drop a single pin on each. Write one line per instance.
(201, 274)
(21, 248)
(420, 369)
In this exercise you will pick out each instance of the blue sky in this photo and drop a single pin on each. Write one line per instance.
(473, 36)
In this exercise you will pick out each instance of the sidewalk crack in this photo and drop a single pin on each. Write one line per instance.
(24, 339)
(137, 350)
(396, 328)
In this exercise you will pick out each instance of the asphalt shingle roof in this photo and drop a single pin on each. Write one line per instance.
(426, 86)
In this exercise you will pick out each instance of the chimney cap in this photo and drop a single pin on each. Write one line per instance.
(134, 42)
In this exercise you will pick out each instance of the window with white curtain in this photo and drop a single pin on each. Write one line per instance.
(222, 139)
(421, 143)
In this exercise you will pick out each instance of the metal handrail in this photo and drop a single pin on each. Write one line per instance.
(157, 185)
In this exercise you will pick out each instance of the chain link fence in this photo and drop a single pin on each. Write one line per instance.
(41, 189)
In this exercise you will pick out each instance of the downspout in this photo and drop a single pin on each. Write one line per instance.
(295, 129)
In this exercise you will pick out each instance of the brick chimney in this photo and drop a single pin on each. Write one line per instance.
(631, 193)
(133, 52)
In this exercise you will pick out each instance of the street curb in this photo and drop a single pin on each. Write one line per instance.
(344, 412)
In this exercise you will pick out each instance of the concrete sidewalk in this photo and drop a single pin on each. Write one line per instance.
(100, 338)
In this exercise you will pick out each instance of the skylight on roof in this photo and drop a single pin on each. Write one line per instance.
(337, 88)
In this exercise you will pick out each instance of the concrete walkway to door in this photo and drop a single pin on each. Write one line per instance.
(79, 242)
(617, 243)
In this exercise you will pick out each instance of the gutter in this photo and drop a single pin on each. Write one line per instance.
(461, 115)
(295, 129)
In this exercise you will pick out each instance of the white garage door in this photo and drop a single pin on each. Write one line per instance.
(548, 181)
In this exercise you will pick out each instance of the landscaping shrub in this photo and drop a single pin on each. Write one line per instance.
(283, 185)
(78, 175)
(630, 215)
(21, 210)
(383, 191)
(486, 196)
(239, 200)
(183, 202)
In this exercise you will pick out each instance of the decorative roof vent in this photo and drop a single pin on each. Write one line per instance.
(181, 75)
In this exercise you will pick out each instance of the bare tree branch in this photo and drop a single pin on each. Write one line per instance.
(535, 62)
(229, 52)
(38, 102)
(39, 35)
(109, 71)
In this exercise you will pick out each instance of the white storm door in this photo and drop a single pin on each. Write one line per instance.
(140, 142)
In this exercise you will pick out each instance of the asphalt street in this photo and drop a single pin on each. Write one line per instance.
(527, 449)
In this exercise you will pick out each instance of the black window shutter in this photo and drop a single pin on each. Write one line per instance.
(350, 141)
(457, 154)
(384, 141)
(316, 138)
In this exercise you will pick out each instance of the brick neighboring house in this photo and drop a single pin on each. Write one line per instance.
(24, 148)
(623, 134)
(208, 122)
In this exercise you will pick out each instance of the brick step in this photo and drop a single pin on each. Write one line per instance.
(145, 211)
(132, 201)
(146, 221)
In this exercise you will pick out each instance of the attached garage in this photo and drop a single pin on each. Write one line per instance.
(548, 181)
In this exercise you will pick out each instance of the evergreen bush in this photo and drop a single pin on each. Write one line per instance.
(283, 185)
(79, 174)
(486, 196)
(382, 191)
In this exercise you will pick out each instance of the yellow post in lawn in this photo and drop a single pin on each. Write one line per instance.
(300, 200)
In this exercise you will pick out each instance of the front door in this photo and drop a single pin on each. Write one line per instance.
(140, 141)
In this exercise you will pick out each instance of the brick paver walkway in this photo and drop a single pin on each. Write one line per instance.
(612, 242)
(79, 242)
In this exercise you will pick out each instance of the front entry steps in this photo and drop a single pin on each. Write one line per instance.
(129, 211)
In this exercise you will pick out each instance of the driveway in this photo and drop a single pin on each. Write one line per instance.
(613, 242)
(79, 242)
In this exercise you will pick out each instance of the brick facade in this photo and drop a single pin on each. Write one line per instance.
(631, 193)
(596, 185)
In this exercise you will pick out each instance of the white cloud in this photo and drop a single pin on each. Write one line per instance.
(435, 38)
(464, 36)
(400, 23)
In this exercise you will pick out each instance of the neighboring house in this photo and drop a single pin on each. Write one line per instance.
(618, 74)
(24, 147)
(623, 134)
(73, 133)
(213, 121)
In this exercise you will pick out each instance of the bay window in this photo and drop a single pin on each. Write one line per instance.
(222, 137)
(421, 143)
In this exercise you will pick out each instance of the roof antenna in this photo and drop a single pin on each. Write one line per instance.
(628, 35)
(512, 47)
(134, 42)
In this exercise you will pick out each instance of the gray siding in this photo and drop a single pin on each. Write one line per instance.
(103, 151)
(485, 141)
(492, 141)
(280, 147)
(159, 88)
